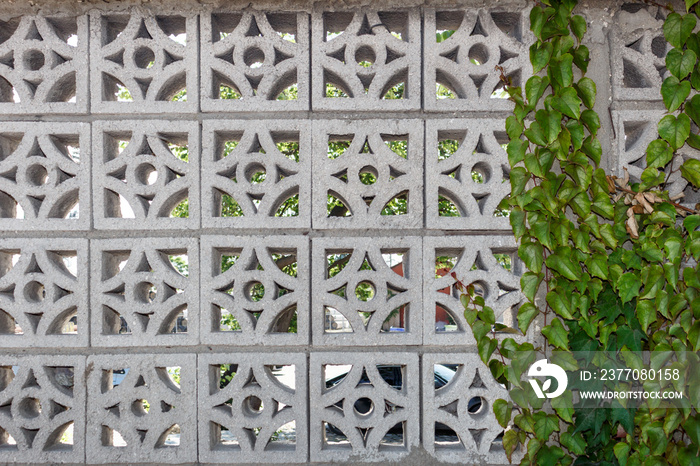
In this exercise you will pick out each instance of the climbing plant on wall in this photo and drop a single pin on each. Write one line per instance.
(616, 260)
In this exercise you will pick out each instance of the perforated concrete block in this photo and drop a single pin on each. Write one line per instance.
(638, 54)
(466, 174)
(43, 415)
(490, 263)
(255, 61)
(144, 292)
(255, 290)
(366, 59)
(373, 411)
(367, 174)
(256, 174)
(252, 408)
(461, 50)
(459, 425)
(44, 64)
(143, 63)
(44, 176)
(366, 292)
(146, 174)
(43, 285)
(142, 409)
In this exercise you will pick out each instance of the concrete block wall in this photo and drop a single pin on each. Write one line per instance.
(236, 333)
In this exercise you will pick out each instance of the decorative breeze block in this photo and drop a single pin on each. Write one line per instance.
(144, 173)
(44, 176)
(252, 408)
(467, 174)
(255, 61)
(462, 48)
(143, 63)
(43, 285)
(370, 413)
(143, 409)
(44, 64)
(371, 174)
(42, 409)
(144, 292)
(366, 60)
(481, 260)
(254, 171)
(366, 294)
(463, 406)
(255, 290)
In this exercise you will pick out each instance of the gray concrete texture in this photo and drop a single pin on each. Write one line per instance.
(251, 332)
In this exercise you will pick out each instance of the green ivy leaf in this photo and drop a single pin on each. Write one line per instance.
(550, 455)
(690, 3)
(556, 334)
(568, 103)
(536, 135)
(518, 179)
(692, 108)
(628, 286)
(550, 122)
(503, 410)
(540, 54)
(691, 171)
(692, 428)
(560, 304)
(591, 120)
(675, 130)
(510, 442)
(534, 89)
(631, 338)
(658, 153)
(677, 28)
(597, 266)
(545, 426)
(517, 222)
(586, 89)
(577, 134)
(560, 71)
(651, 177)
(562, 263)
(578, 26)
(575, 443)
(592, 148)
(526, 313)
(622, 452)
(537, 20)
(514, 128)
(516, 151)
(646, 313)
(532, 255)
(680, 64)
(486, 347)
(581, 59)
(530, 283)
(674, 92)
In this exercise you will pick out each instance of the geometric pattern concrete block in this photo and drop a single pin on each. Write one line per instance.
(464, 405)
(459, 71)
(45, 176)
(255, 290)
(250, 58)
(142, 409)
(635, 129)
(481, 260)
(143, 171)
(43, 285)
(466, 174)
(42, 409)
(144, 292)
(367, 292)
(252, 408)
(44, 64)
(366, 60)
(252, 171)
(361, 416)
(372, 175)
(638, 54)
(143, 63)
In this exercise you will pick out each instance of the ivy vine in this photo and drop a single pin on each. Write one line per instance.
(616, 261)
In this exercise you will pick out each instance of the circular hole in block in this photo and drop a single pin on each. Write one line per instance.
(146, 174)
(37, 175)
(478, 54)
(368, 175)
(364, 406)
(255, 291)
(476, 405)
(253, 405)
(33, 60)
(140, 407)
(144, 57)
(34, 292)
(146, 292)
(481, 173)
(365, 291)
(254, 57)
(255, 173)
(365, 56)
(30, 408)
